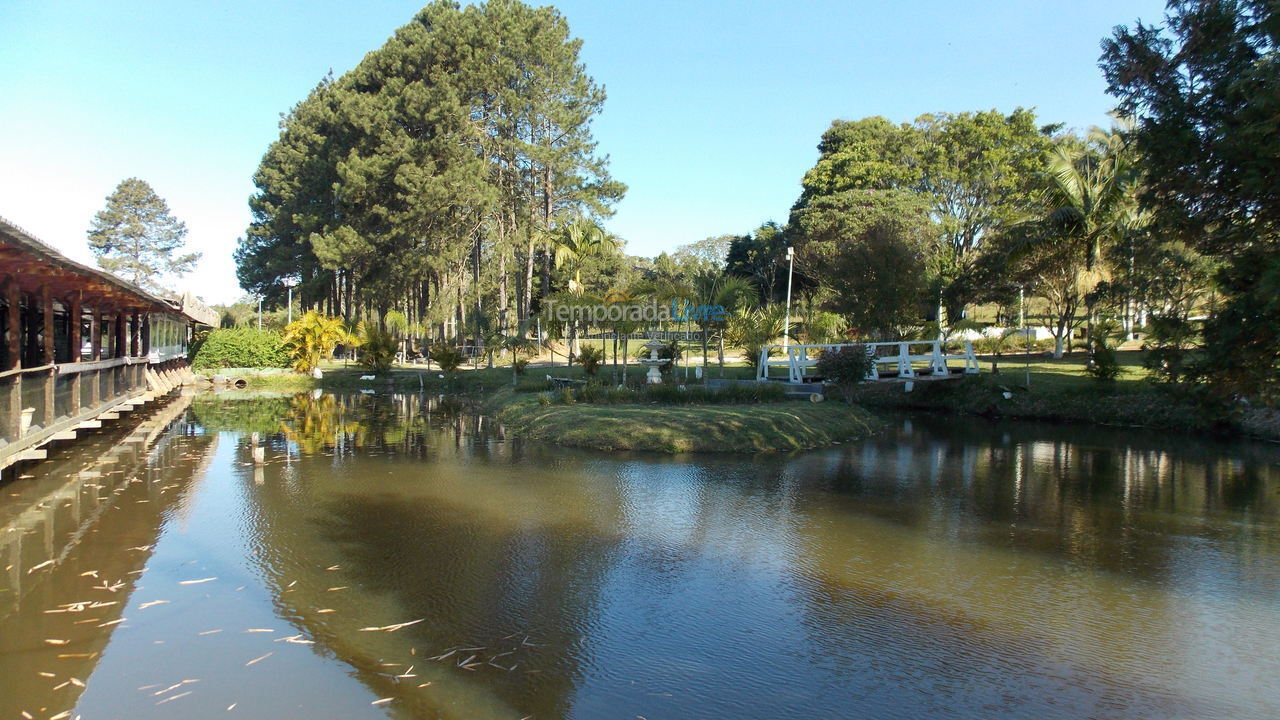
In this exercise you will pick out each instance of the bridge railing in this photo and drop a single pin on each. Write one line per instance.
(41, 402)
(905, 359)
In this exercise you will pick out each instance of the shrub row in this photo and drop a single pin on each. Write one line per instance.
(238, 348)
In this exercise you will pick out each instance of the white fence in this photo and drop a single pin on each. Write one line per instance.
(907, 359)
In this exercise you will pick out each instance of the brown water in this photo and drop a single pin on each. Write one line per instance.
(950, 566)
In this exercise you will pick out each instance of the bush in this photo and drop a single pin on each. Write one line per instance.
(1103, 364)
(239, 348)
(519, 365)
(377, 349)
(448, 357)
(845, 368)
(312, 338)
(1167, 341)
(590, 358)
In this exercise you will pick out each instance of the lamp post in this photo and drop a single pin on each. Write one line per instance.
(259, 313)
(289, 282)
(786, 325)
(1022, 325)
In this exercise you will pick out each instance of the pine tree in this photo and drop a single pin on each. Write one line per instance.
(137, 238)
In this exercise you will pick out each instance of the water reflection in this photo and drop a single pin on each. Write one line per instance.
(74, 535)
(409, 559)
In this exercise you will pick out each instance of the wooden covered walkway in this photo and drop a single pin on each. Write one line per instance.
(80, 345)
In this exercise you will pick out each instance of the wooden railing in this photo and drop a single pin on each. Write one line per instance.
(40, 403)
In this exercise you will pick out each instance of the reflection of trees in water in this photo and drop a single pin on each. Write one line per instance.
(493, 538)
(1112, 499)
(432, 540)
(341, 424)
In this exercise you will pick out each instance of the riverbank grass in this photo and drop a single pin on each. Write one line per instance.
(747, 428)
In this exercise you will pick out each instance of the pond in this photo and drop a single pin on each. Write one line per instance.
(400, 556)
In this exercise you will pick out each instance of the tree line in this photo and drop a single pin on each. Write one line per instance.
(431, 178)
(451, 179)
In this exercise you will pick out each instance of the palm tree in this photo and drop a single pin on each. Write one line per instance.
(1090, 205)
(575, 242)
(519, 343)
(755, 329)
(1090, 193)
(313, 337)
(715, 289)
(572, 245)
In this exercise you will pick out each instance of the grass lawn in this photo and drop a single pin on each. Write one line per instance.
(762, 427)
(1068, 372)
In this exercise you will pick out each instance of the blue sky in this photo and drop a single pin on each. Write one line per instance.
(714, 110)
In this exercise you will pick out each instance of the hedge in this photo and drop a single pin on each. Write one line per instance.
(239, 348)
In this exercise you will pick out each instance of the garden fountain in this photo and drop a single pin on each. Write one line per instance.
(653, 362)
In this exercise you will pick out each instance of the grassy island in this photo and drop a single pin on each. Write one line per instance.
(761, 427)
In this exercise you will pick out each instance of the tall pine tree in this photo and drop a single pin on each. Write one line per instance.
(137, 238)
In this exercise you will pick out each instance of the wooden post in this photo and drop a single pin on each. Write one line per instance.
(14, 341)
(46, 323)
(135, 334)
(95, 333)
(74, 310)
(146, 334)
(120, 341)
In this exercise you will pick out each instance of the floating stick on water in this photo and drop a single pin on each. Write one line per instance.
(383, 701)
(197, 582)
(259, 659)
(152, 603)
(175, 697)
(391, 628)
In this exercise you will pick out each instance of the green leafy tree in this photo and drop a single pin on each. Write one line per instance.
(136, 237)
(871, 250)
(1202, 88)
(429, 178)
(974, 170)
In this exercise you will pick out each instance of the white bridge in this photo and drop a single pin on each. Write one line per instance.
(902, 359)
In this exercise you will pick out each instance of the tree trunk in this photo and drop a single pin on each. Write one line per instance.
(705, 359)
(502, 290)
(527, 290)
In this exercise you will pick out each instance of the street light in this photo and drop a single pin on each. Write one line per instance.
(259, 313)
(289, 282)
(1026, 336)
(786, 326)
